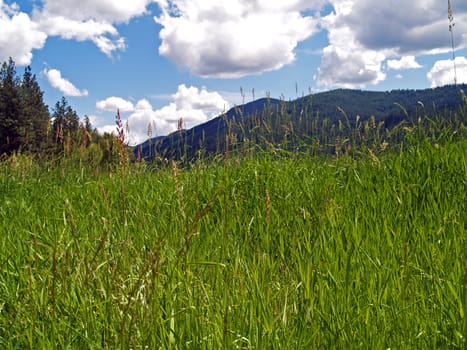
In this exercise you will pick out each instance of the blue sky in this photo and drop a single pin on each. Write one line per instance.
(160, 60)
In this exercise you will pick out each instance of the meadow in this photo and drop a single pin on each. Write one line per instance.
(271, 250)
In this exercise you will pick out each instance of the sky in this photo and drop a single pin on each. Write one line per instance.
(157, 61)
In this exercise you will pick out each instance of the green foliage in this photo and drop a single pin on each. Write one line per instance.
(24, 118)
(65, 121)
(26, 127)
(35, 115)
(271, 250)
(10, 109)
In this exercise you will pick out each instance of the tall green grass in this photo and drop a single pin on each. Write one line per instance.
(265, 252)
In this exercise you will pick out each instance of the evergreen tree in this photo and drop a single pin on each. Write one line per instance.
(87, 124)
(10, 109)
(35, 114)
(65, 120)
(65, 126)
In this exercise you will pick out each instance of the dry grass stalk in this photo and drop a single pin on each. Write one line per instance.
(122, 154)
(451, 30)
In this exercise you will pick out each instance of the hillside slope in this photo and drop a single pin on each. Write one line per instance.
(313, 117)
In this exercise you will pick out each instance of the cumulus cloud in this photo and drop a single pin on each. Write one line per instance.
(345, 62)
(139, 121)
(442, 72)
(55, 79)
(235, 38)
(363, 34)
(406, 62)
(102, 34)
(107, 11)
(188, 99)
(19, 35)
(89, 20)
(111, 104)
(418, 26)
(191, 104)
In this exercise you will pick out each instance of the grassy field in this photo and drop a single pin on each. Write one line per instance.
(262, 252)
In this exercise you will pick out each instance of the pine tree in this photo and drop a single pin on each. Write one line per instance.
(10, 109)
(35, 114)
(87, 124)
(65, 122)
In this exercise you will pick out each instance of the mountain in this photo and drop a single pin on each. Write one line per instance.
(208, 136)
(318, 118)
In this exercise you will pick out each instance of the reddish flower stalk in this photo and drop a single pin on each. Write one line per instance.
(120, 129)
(121, 140)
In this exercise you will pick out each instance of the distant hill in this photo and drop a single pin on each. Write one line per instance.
(313, 118)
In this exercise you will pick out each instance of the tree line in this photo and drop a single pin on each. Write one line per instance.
(28, 127)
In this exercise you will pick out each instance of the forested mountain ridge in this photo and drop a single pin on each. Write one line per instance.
(321, 118)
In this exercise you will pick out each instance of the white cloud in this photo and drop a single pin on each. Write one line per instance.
(233, 38)
(103, 34)
(80, 20)
(191, 98)
(106, 11)
(81, 31)
(94, 120)
(414, 27)
(19, 36)
(111, 104)
(406, 62)
(55, 79)
(90, 20)
(193, 105)
(108, 46)
(442, 72)
(139, 121)
(345, 62)
(365, 33)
